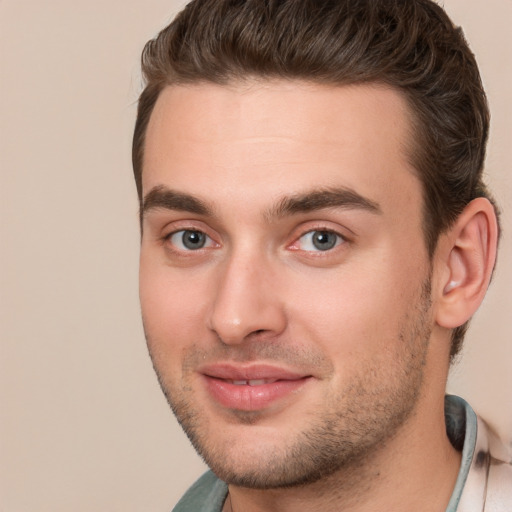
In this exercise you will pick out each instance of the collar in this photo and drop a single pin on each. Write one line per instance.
(484, 483)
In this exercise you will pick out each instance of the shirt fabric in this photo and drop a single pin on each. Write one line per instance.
(484, 482)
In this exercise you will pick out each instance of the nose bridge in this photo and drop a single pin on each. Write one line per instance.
(245, 300)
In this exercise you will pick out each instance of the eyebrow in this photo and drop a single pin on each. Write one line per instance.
(309, 201)
(322, 199)
(163, 197)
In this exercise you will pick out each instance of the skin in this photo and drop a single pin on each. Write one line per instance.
(249, 166)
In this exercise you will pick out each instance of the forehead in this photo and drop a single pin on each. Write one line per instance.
(265, 139)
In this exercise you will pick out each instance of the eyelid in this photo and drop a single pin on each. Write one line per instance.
(309, 241)
(177, 243)
(318, 227)
(188, 225)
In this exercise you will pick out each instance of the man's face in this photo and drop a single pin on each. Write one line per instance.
(284, 279)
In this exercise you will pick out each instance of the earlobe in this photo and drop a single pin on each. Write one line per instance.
(469, 255)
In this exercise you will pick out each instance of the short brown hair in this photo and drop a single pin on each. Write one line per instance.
(410, 45)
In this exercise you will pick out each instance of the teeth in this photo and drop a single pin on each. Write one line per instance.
(253, 382)
(257, 382)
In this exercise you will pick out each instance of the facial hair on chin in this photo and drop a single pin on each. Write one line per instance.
(351, 425)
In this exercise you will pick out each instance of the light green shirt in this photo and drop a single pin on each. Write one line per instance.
(484, 483)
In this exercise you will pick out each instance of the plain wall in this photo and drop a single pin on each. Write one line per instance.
(83, 424)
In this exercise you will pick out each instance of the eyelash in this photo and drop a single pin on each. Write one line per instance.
(169, 239)
(340, 240)
(295, 246)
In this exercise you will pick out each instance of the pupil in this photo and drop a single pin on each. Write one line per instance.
(193, 239)
(324, 240)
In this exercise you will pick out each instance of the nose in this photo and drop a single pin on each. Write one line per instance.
(247, 301)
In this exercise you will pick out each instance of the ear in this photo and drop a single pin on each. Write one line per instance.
(466, 256)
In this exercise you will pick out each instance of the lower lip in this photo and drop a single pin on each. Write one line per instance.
(251, 398)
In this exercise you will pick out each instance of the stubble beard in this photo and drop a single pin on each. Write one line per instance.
(355, 424)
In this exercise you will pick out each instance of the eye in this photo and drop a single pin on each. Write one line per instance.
(319, 241)
(190, 240)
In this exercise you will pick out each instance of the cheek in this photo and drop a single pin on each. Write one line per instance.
(172, 307)
(351, 314)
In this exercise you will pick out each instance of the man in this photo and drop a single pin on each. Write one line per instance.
(315, 237)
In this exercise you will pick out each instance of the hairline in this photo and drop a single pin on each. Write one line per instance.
(410, 146)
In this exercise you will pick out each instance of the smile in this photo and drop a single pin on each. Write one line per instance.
(254, 382)
(253, 388)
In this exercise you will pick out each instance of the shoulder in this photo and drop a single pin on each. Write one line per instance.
(499, 472)
(486, 472)
(206, 495)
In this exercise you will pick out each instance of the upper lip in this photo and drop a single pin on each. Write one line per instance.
(238, 372)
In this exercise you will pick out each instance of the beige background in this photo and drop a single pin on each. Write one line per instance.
(83, 425)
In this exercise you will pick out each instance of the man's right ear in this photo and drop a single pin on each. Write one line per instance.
(466, 257)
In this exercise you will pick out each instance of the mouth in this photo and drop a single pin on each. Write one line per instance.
(252, 388)
(254, 382)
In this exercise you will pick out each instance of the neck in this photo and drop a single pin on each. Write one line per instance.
(416, 470)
